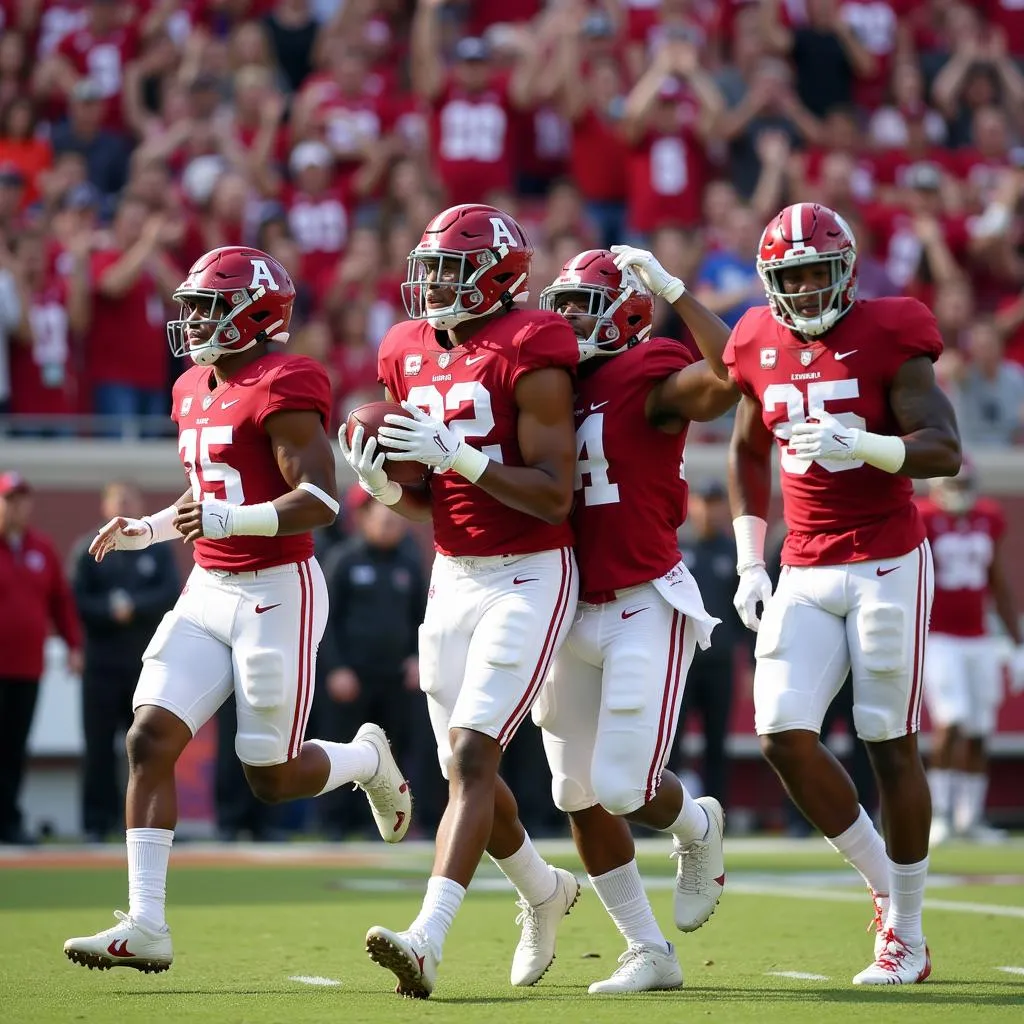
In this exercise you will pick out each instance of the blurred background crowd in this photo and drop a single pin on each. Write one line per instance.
(136, 135)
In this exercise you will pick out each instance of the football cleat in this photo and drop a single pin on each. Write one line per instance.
(536, 949)
(388, 791)
(700, 873)
(897, 964)
(941, 832)
(881, 904)
(644, 967)
(410, 957)
(127, 944)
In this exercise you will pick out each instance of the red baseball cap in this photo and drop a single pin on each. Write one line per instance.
(13, 483)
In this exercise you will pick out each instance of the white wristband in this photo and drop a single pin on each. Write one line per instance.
(883, 451)
(390, 494)
(470, 462)
(254, 520)
(750, 533)
(673, 291)
(319, 492)
(162, 524)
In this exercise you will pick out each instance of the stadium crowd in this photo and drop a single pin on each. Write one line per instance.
(135, 136)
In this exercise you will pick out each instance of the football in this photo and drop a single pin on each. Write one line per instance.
(371, 416)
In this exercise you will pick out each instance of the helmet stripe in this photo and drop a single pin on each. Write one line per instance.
(797, 224)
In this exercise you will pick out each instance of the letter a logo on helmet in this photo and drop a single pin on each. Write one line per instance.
(502, 235)
(261, 275)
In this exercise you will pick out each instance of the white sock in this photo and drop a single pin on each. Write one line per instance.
(692, 822)
(940, 782)
(906, 899)
(440, 905)
(862, 847)
(149, 850)
(622, 893)
(529, 873)
(350, 762)
(970, 808)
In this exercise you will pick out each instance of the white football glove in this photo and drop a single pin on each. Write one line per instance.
(755, 585)
(1017, 670)
(121, 534)
(432, 442)
(826, 438)
(649, 270)
(368, 465)
(217, 519)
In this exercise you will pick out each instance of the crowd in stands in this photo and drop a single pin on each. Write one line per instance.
(136, 135)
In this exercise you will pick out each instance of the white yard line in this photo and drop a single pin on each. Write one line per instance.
(312, 979)
(1011, 970)
(797, 975)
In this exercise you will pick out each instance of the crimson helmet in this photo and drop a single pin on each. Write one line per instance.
(622, 305)
(475, 252)
(956, 494)
(244, 297)
(808, 233)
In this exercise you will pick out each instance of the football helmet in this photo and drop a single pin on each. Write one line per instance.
(956, 494)
(474, 253)
(243, 296)
(802, 234)
(622, 307)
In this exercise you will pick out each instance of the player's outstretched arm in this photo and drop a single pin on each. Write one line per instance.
(306, 460)
(694, 393)
(125, 534)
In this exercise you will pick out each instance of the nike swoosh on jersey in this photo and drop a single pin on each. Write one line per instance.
(261, 608)
(594, 406)
(470, 360)
(519, 581)
(628, 613)
(227, 405)
(885, 572)
(840, 356)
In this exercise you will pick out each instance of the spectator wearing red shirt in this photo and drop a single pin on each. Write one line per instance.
(23, 147)
(126, 355)
(667, 129)
(34, 595)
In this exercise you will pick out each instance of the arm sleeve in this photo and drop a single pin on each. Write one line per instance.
(547, 342)
(298, 385)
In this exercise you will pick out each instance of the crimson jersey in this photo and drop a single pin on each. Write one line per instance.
(837, 512)
(963, 547)
(472, 387)
(630, 492)
(226, 452)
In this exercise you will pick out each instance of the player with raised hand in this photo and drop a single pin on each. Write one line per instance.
(489, 387)
(846, 390)
(261, 477)
(963, 664)
(611, 705)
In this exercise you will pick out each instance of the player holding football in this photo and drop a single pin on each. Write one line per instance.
(847, 392)
(610, 708)
(490, 389)
(963, 666)
(262, 476)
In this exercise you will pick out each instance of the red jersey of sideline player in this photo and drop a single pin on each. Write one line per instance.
(626, 519)
(837, 512)
(472, 387)
(963, 547)
(226, 453)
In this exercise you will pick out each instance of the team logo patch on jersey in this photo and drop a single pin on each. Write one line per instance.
(413, 364)
(806, 357)
(444, 359)
(207, 402)
(769, 357)
(186, 404)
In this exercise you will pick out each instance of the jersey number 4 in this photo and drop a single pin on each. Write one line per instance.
(819, 394)
(204, 470)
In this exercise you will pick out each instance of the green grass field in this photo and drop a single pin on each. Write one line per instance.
(248, 926)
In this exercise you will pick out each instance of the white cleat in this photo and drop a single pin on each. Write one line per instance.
(644, 967)
(881, 904)
(536, 950)
(388, 791)
(941, 832)
(411, 959)
(897, 964)
(127, 944)
(700, 874)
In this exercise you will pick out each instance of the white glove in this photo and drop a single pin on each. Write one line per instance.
(826, 438)
(1017, 670)
(649, 270)
(121, 534)
(432, 442)
(755, 585)
(368, 465)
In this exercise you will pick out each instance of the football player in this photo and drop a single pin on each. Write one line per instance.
(846, 391)
(610, 708)
(963, 664)
(261, 474)
(489, 386)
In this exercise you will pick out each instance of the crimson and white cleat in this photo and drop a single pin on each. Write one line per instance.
(897, 964)
(536, 950)
(388, 791)
(127, 944)
(408, 956)
(700, 873)
(644, 967)
(881, 904)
